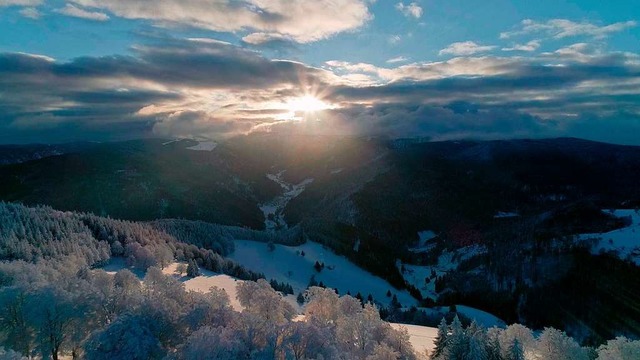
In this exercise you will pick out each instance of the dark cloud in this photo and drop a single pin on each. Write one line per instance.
(203, 87)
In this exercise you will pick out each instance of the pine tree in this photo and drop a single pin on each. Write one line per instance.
(477, 342)
(395, 303)
(516, 352)
(300, 298)
(440, 343)
(494, 352)
(458, 344)
(192, 269)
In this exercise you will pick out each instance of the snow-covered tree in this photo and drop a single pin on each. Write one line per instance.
(440, 342)
(213, 343)
(525, 338)
(477, 337)
(555, 345)
(458, 341)
(131, 337)
(619, 348)
(515, 351)
(193, 270)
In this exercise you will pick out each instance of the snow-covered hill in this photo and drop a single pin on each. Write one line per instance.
(625, 242)
(288, 264)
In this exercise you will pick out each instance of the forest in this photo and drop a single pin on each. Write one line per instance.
(56, 302)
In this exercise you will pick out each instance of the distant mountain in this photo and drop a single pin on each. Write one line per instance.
(16, 154)
(368, 199)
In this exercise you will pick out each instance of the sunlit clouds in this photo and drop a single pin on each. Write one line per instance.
(223, 68)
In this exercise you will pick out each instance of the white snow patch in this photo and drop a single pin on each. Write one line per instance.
(286, 264)
(505, 214)
(171, 142)
(424, 237)
(204, 146)
(624, 242)
(202, 283)
(448, 261)
(273, 209)
(116, 264)
(336, 171)
(483, 318)
(422, 338)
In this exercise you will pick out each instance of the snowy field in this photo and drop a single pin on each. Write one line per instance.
(204, 146)
(206, 281)
(421, 337)
(287, 264)
(624, 242)
(483, 318)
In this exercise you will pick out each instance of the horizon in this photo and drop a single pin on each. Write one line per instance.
(114, 70)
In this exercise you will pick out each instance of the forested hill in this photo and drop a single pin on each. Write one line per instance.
(56, 302)
(506, 215)
(41, 235)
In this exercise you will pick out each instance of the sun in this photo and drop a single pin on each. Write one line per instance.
(306, 104)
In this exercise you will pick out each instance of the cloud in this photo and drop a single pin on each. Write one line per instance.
(465, 48)
(74, 11)
(397, 59)
(302, 21)
(156, 86)
(31, 13)
(532, 45)
(563, 28)
(20, 2)
(263, 38)
(394, 39)
(411, 10)
(206, 87)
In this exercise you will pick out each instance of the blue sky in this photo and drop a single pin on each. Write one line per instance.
(112, 69)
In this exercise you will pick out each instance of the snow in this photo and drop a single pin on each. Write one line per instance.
(273, 209)
(204, 146)
(206, 281)
(287, 264)
(624, 242)
(202, 283)
(422, 338)
(483, 318)
(336, 171)
(447, 261)
(424, 237)
(171, 142)
(505, 214)
(116, 264)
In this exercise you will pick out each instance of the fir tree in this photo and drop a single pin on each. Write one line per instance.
(516, 352)
(458, 344)
(494, 352)
(440, 343)
(192, 269)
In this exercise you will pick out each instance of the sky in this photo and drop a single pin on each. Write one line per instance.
(103, 70)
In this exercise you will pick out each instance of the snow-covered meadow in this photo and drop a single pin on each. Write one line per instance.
(286, 263)
(625, 242)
